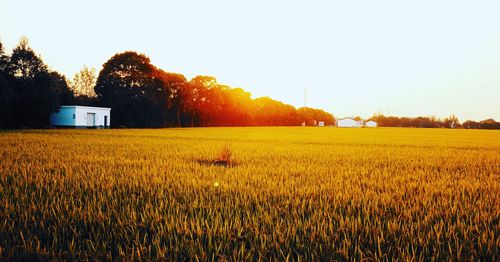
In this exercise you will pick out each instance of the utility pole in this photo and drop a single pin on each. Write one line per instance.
(305, 97)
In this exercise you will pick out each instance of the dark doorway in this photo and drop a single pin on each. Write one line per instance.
(105, 121)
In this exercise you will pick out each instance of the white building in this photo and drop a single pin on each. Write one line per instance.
(321, 123)
(349, 122)
(370, 123)
(81, 117)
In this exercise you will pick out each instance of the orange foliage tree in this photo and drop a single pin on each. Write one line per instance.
(142, 95)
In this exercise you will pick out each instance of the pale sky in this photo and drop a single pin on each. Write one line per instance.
(404, 58)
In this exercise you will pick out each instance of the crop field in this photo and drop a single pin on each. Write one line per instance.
(288, 193)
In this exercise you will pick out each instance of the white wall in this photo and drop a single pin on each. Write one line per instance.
(100, 112)
(65, 116)
(371, 124)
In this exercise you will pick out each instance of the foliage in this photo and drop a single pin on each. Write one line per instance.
(24, 64)
(128, 83)
(29, 91)
(432, 122)
(61, 88)
(297, 193)
(142, 95)
(175, 84)
(485, 124)
(139, 94)
(7, 95)
(451, 122)
(4, 59)
(309, 116)
(83, 82)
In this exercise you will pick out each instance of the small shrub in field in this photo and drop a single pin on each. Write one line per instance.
(224, 156)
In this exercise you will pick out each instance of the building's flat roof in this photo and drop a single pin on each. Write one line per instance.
(347, 118)
(92, 107)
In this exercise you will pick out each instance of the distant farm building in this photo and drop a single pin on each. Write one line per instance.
(349, 122)
(370, 123)
(313, 123)
(81, 117)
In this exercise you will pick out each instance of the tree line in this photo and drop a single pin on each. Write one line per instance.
(29, 91)
(433, 122)
(139, 94)
(143, 95)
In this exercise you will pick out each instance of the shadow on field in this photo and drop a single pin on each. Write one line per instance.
(222, 163)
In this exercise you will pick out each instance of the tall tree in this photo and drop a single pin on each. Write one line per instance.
(175, 86)
(60, 86)
(451, 122)
(7, 96)
(24, 63)
(34, 88)
(4, 59)
(129, 84)
(196, 96)
(84, 81)
(236, 109)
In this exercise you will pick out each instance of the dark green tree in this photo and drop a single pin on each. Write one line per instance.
(7, 99)
(7, 96)
(60, 86)
(4, 59)
(132, 87)
(175, 87)
(24, 63)
(34, 88)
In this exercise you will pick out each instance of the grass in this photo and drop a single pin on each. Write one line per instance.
(296, 193)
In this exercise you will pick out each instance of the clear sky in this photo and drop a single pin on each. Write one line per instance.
(405, 58)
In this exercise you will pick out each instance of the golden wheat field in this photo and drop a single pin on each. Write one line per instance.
(289, 194)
